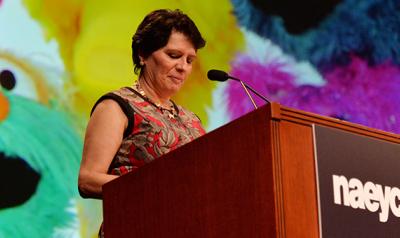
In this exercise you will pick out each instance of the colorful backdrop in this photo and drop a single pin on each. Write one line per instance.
(335, 58)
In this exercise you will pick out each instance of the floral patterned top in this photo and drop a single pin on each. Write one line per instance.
(151, 131)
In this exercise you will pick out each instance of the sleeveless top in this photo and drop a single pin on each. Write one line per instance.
(151, 131)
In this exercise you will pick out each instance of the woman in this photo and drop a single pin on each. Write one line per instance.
(133, 126)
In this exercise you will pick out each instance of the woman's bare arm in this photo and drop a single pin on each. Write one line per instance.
(103, 138)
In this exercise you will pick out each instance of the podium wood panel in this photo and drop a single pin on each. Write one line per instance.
(299, 187)
(220, 185)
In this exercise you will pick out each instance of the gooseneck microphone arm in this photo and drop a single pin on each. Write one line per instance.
(218, 75)
(251, 89)
(248, 94)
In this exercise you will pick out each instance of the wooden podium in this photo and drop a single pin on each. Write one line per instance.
(254, 177)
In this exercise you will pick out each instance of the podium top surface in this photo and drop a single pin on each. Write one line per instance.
(283, 113)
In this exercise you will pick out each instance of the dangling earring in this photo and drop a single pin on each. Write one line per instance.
(141, 63)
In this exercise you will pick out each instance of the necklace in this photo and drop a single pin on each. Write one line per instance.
(171, 110)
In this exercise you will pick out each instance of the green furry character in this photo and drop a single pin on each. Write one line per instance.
(39, 161)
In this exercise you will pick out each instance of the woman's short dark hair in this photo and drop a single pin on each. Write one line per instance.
(154, 31)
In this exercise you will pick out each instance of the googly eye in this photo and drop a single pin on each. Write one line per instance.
(18, 79)
(7, 79)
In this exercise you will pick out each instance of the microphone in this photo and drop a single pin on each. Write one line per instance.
(221, 76)
(217, 75)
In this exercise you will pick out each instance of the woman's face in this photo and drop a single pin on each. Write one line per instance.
(167, 68)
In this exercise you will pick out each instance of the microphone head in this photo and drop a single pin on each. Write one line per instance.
(217, 75)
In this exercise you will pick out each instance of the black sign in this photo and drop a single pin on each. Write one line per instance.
(359, 185)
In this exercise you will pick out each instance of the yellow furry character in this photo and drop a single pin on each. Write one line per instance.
(95, 39)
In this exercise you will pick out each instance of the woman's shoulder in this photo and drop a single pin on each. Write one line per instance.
(123, 96)
(183, 111)
(192, 121)
(126, 93)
